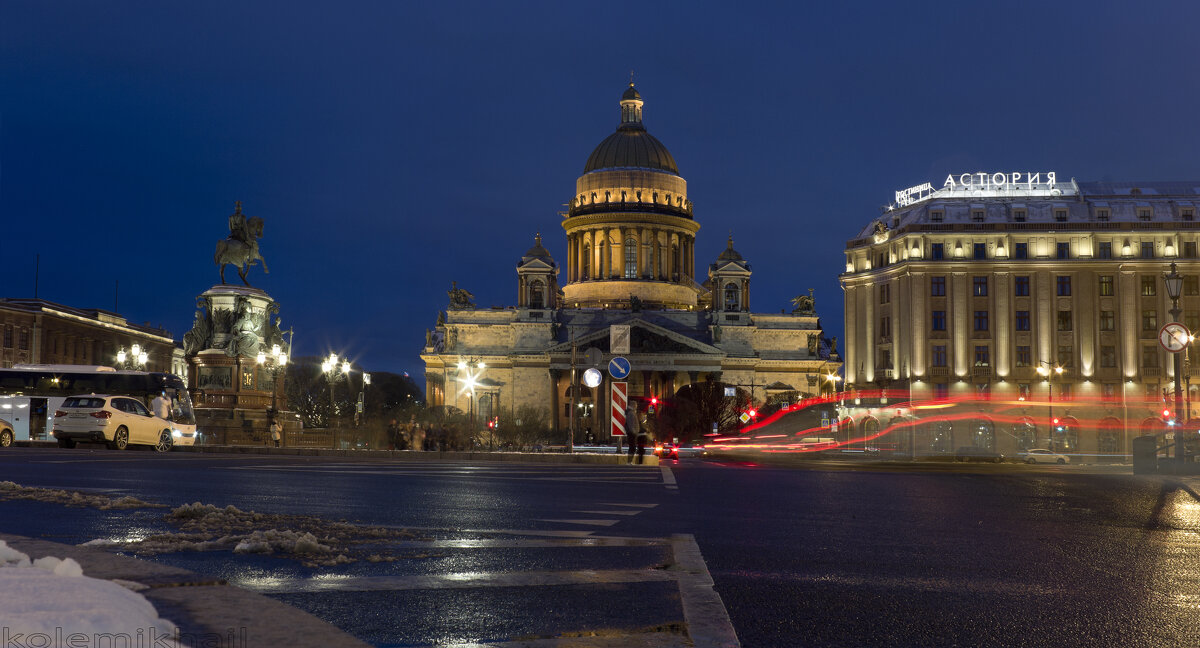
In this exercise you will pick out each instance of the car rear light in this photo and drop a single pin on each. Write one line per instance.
(102, 414)
(59, 413)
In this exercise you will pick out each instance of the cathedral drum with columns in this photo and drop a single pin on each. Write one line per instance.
(631, 237)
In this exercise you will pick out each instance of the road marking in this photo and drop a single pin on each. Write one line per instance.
(582, 522)
(608, 512)
(707, 620)
(530, 543)
(456, 580)
(645, 506)
(668, 478)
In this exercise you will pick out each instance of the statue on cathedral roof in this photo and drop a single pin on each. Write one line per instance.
(804, 304)
(460, 298)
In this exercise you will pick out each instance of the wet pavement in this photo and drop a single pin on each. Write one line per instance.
(827, 555)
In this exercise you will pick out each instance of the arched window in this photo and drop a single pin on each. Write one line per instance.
(675, 262)
(1109, 435)
(587, 261)
(732, 301)
(537, 295)
(1025, 432)
(983, 434)
(1065, 436)
(631, 258)
(867, 432)
(485, 406)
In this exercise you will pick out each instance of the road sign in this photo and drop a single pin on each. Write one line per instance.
(593, 356)
(744, 417)
(592, 377)
(618, 368)
(618, 338)
(619, 400)
(1174, 337)
(730, 391)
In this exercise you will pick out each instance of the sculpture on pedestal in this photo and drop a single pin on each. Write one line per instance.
(241, 246)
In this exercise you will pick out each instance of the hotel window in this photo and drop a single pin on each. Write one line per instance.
(1105, 251)
(939, 320)
(1147, 249)
(1063, 250)
(1019, 215)
(1108, 391)
(1108, 356)
(885, 294)
(1149, 320)
(885, 359)
(1108, 320)
(979, 286)
(1021, 251)
(1021, 286)
(1022, 320)
(1187, 213)
(1191, 285)
(1150, 359)
(1022, 391)
(1191, 319)
(1106, 285)
(981, 320)
(941, 391)
(1143, 213)
(23, 341)
(980, 251)
(1149, 286)
(977, 215)
(1064, 320)
(982, 359)
(1066, 356)
(939, 355)
(937, 286)
(1064, 286)
(937, 216)
(1060, 215)
(630, 258)
(1024, 357)
(885, 327)
(1064, 390)
(1189, 250)
(937, 251)
(1102, 214)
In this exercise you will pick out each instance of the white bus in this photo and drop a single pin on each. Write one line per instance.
(29, 394)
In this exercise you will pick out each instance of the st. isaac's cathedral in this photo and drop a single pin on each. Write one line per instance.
(631, 236)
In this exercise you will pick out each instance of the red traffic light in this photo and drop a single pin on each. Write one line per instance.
(491, 424)
(1056, 420)
(1166, 413)
(753, 413)
(654, 400)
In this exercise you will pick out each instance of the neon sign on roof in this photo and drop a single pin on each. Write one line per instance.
(984, 185)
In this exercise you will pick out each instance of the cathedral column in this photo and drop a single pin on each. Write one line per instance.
(655, 257)
(686, 250)
(641, 256)
(570, 258)
(554, 398)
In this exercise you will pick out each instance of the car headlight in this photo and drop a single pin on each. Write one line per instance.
(176, 433)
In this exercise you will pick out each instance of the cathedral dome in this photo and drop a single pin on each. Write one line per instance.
(631, 146)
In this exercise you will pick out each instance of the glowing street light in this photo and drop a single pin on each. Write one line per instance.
(273, 363)
(1044, 369)
(135, 359)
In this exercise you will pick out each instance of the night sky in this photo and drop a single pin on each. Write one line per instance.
(393, 147)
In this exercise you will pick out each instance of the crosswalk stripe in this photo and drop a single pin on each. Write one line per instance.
(457, 580)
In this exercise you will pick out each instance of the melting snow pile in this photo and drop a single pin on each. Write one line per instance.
(49, 602)
(10, 490)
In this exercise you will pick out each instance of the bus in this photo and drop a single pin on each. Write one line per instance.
(29, 394)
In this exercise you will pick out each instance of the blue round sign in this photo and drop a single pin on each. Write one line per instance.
(618, 368)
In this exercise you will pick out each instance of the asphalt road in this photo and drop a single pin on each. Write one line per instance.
(806, 555)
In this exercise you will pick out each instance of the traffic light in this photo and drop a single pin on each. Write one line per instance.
(753, 413)
(653, 404)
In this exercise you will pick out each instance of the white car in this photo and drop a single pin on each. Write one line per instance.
(1040, 455)
(118, 421)
(6, 434)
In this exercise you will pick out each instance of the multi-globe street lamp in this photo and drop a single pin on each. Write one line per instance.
(334, 368)
(1048, 371)
(136, 358)
(273, 362)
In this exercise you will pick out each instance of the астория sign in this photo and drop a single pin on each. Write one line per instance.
(983, 184)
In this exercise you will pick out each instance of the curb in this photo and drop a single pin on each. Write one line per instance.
(410, 455)
(208, 611)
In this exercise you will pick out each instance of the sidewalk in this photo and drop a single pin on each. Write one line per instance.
(208, 612)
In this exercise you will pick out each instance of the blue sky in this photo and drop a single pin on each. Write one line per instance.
(393, 147)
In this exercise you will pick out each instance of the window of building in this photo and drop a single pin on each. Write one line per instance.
(1024, 356)
(1149, 285)
(885, 327)
(1060, 215)
(1187, 213)
(939, 355)
(631, 258)
(937, 286)
(1019, 215)
(1108, 391)
(1143, 213)
(977, 215)
(885, 294)
(1102, 214)
(1150, 320)
(937, 215)
(885, 359)
(1106, 285)
(1064, 320)
(1064, 286)
(1191, 319)
(1064, 391)
(1063, 250)
(1150, 358)
(1021, 286)
(1191, 285)
(8, 337)
(981, 320)
(1105, 250)
(1147, 249)
(982, 358)
(23, 341)
(1022, 320)
(883, 260)
(939, 320)
(537, 295)
(1189, 249)
(980, 251)
(941, 391)
(1021, 251)
(1108, 320)
(732, 299)
(979, 286)
(1022, 391)
(1108, 356)
(937, 251)
(1066, 355)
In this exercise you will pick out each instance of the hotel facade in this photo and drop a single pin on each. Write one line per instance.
(1037, 303)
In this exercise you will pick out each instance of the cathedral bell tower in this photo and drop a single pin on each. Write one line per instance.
(537, 278)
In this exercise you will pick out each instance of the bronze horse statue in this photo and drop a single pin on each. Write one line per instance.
(241, 254)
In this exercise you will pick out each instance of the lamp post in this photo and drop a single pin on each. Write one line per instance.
(135, 359)
(1174, 282)
(333, 367)
(469, 384)
(1048, 371)
(833, 379)
(273, 362)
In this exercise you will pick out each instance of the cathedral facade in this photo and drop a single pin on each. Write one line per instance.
(630, 261)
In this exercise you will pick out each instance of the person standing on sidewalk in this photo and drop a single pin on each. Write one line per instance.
(632, 427)
(276, 432)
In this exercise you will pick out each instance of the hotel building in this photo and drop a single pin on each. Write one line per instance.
(1038, 302)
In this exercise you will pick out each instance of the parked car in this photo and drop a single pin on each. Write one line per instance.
(1041, 455)
(6, 434)
(977, 453)
(118, 421)
(667, 451)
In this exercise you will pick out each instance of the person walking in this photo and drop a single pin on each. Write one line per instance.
(632, 427)
(642, 438)
(161, 406)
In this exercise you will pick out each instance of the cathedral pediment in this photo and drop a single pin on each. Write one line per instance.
(644, 339)
(537, 264)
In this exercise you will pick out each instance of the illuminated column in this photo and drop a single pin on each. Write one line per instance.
(570, 258)
(960, 322)
(1129, 313)
(1043, 297)
(1085, 308)
(1003, 314)
(915, 293)
(641, 256)
(655, 257)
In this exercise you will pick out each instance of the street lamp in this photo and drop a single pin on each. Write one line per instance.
(1174, 282)
(273, 363)
(1048, 371)
(135, 359)
(833, 379)
(333, 368)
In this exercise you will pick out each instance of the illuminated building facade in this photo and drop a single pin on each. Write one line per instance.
(630, 261)
(1039, 301)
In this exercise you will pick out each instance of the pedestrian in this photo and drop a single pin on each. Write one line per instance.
(161, 406)
(393, 435)
(642, 438)
(632, 427)
(276, 432)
